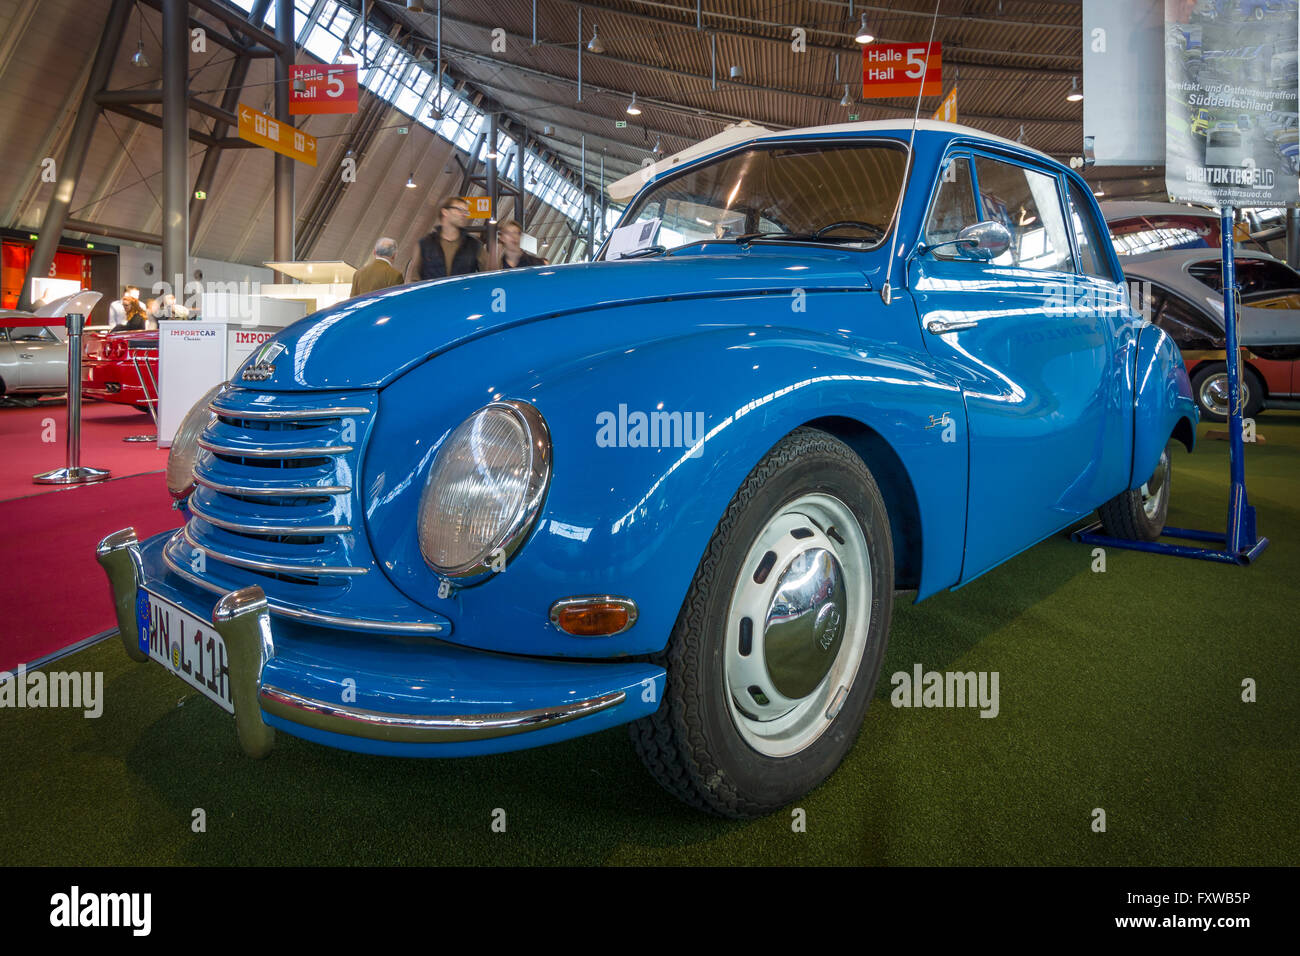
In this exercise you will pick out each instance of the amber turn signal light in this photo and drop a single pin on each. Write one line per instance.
(594, 615)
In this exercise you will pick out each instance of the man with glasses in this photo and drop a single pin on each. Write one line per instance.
(448, 250)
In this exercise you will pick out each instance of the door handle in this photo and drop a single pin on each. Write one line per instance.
(24, 354)
(939, 326)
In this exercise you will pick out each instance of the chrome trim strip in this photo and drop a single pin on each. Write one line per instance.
(625, 602)
(276, 567)
(298, 491)
(401, 627)
(279, 414)
(317, 451)
(267, 528)
(412, 728)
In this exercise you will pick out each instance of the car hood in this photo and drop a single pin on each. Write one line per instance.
(368, 341)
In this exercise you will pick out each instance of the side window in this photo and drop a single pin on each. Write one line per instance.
(1092, 261)
(1185, 325)
(954, 207)
(1028, 204)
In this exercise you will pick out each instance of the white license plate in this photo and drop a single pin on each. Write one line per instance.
(189, 648)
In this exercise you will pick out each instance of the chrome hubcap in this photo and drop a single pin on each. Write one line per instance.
(1156, 487)
(1214, 394)
(797, 625)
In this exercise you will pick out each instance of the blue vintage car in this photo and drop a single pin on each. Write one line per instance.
(677, 490)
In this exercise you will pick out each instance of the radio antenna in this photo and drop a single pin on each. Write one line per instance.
(886, 291)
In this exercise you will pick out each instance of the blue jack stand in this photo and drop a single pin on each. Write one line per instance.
(1239, 544)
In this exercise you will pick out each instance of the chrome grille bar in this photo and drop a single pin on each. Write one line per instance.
(282, 414)
(266, 528)
(320, 451)
(273, 567)
(300, 491)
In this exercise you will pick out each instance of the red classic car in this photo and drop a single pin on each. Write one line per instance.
(121, 367)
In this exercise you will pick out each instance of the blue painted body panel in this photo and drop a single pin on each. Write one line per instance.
(1003, 433)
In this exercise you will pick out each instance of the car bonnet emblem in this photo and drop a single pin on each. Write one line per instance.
(263, 366)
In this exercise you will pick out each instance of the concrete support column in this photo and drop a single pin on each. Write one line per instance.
(175, 145)
(284, 200)
(68, 171)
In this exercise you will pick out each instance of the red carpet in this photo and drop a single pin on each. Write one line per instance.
(53, 592)
(25, 452)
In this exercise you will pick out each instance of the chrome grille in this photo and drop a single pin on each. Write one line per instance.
(274, 480)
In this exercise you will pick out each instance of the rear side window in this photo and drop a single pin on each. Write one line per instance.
(1186, 325)
(1028, 204)
(954, 207)
(1092, 261)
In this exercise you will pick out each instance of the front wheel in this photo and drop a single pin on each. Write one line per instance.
(1139, 513)
(776, 651)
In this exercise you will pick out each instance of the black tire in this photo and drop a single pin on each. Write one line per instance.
(1210, 380)
(692, 744)
(1139, 513)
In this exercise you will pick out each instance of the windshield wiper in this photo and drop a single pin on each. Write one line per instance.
(796, 236)
(644, 253)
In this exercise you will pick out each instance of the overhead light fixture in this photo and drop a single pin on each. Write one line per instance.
(415, 6)
(595, 44)
(434, 112)
(548, 130)
(532, 179)
(864, 35)
(735, 72)
(138, 58)
(1099, 193)
(299, 85)
(659, 146)
(346, 55)
(632, 108)
(846, 101)
(1074, 95)
(410, 181)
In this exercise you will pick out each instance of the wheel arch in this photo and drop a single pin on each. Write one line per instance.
(895, 487)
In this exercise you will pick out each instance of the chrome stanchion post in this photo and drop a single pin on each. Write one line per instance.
(149, 403)
(74, 473)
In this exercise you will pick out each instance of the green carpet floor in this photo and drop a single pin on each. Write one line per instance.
(1119, 690)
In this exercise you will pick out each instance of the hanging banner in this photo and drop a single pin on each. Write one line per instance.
(1231, 103)
(947, 111)
(256, 127)
(324, 88)
(900, 69)
(1124, 82)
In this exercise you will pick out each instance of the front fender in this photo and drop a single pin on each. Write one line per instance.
(634, 520)
(1163, 403)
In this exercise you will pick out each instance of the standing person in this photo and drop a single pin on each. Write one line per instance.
(133, 319)
(379, 272)
(512, 254)
(119, 309)
(449, 250)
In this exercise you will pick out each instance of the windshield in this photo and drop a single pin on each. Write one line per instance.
(791, 190)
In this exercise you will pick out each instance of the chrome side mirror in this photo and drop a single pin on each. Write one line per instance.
(984, 240)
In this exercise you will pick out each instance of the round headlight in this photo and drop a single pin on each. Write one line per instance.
(485, 490)
(180, 459)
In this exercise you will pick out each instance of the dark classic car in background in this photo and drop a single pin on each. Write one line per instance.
(677, 490)
(1186, 300)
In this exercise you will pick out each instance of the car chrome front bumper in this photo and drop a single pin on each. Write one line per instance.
(412, 697)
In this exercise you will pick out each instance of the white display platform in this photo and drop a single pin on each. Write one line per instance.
(194, 356)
